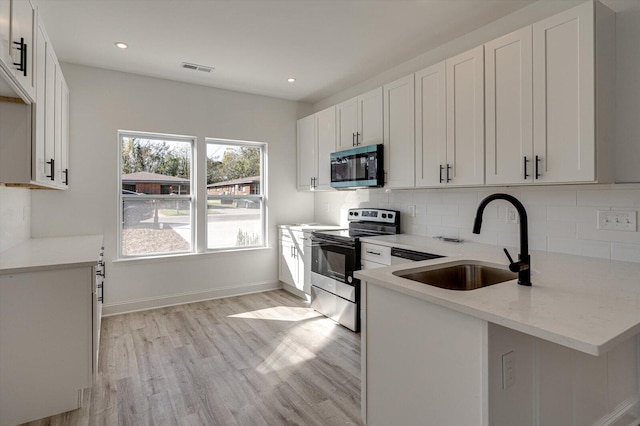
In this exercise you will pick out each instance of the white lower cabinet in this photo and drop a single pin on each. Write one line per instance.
(46, 341)
(294, 256)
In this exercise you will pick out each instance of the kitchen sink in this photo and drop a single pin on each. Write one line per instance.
(461, 275)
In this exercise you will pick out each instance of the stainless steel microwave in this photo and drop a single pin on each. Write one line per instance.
(358, 167)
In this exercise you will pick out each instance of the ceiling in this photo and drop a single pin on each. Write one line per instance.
(255, 45)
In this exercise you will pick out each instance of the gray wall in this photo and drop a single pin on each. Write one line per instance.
(104, 101)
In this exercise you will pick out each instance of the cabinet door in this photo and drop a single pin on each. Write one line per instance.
(399, 128)
(509, 113)
(465, 117)
(288, 270)
(51, 69)
(57, 116)
(22, 27)
(346, 124)
(370, 118)
(563, 96)
(306, 152)
(64, 115)
(5, 30)
(431, 125)
(326, 144)
(40, 168)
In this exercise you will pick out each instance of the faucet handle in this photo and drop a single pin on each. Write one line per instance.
(508, 256)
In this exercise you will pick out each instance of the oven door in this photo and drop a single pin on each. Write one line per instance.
(334, 260)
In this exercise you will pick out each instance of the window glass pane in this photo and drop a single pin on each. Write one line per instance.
(162, 167)
(157, 226)
(234, 223)
(233, 173)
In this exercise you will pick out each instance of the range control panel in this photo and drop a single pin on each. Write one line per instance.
(374, 215)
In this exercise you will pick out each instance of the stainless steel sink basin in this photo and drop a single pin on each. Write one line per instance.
(458, 275)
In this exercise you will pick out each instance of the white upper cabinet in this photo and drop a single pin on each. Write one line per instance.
(508, 109)
(325, 126)
(5, 30)
(316, 140)
(23, 23)
(399, 136)
(306, 152)
(465, 118)
(449, 125)
(565, 69)
(431, 125)
(359, 120)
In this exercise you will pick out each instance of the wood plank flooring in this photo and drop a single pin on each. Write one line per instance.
(260, 359)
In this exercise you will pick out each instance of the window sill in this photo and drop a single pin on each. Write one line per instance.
(184, 256)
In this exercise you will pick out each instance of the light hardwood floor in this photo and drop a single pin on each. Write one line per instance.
(260, 359)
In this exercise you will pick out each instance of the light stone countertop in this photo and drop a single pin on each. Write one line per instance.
(584, 303)
(309, 227)
(39, 254)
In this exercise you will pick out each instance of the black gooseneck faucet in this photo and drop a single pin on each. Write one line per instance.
(523, 265)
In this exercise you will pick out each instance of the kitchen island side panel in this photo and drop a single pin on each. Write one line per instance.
(425, 364)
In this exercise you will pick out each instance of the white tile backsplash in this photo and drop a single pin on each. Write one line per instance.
(15, 216)
(562, 218)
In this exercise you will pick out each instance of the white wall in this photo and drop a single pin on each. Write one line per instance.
(104, 101)
(15, 216)
(562, 218)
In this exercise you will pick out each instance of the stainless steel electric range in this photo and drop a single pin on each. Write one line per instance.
(335, 255)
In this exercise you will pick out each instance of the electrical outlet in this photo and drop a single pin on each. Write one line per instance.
(617, 220)
(412, 211)
(512, 215)
(508, 370)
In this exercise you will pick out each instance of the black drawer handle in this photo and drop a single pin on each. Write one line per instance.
(537, 167)
(374, 253)
(524, 166)
(448, 170)
(66, 176)
(53, 168)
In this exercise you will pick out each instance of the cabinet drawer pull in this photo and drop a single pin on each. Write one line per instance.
(66, 176)
(53, 174)
(353, 139)
(376, 253)
(524, 166)
(448, 169)
(440, 175)
(22, 65)
(537, 167)
(357, 138)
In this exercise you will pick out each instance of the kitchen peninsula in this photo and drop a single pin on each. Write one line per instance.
(565, 349)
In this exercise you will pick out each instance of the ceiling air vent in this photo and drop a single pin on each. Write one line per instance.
(196, 67)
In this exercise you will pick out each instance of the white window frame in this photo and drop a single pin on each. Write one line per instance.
(261, 197)
(191, 197)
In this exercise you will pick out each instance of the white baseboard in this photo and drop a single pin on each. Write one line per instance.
(118, 308)
(625, 414)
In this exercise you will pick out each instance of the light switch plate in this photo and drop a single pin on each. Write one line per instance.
(618, 220)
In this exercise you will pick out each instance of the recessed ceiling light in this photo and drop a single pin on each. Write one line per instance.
(291, 79)
(121, 45)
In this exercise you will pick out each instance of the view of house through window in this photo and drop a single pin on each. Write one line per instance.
(156, 212)
(235, 194)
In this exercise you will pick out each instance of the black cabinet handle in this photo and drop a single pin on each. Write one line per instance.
(440, 174)
(537, 167)
(524, 166)
(357, 139)
(22, 65)
(52, 176)
(353, 139)
(66, 176)
(448, 169)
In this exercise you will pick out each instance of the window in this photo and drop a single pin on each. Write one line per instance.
(156, 206)
(235, 194)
